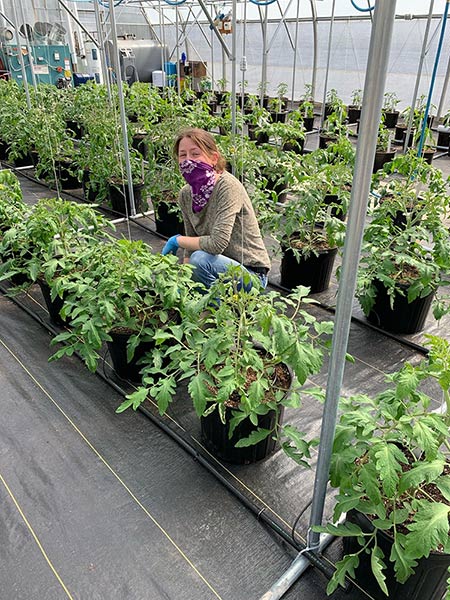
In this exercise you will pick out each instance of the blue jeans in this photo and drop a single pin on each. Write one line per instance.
(209, 266)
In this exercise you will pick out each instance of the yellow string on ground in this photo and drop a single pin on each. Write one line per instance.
(108, 466)
(36, 539)
(231, 474)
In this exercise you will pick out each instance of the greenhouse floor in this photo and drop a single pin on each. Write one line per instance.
(98, 505)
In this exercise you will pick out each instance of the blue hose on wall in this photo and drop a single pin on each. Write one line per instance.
(433, 79)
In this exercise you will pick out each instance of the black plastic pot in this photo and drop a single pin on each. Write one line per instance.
(390, 118)
(296, 146)
(53, 306)
(427, 583)
(215, 437)
(259, 138)
(66, 179)
(329, 109)
(118, 352)
(400, 135)
(279, 117)
(324, 140)
(75, 128)
(279, 187)
(404, 317)
(139, 143)
(312, 271)
(4, 148)
(336, 206)
(381, 158)
(353, 114)
(167, 222)
(308, 122)
(443, 139)
(220, 97)
(23, 161)
(89, 191)
(120, 199)
(428, 155)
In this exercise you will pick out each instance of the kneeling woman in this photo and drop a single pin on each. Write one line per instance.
(220, 223)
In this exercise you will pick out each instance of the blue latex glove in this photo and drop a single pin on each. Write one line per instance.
(171, 246)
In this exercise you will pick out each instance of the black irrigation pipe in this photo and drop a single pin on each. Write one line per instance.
(258, 511)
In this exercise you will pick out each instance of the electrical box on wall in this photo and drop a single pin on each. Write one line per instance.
(51, 63)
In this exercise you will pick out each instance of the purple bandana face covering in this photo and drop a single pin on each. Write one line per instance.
(202, 179)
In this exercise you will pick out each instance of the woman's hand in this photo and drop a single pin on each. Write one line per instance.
(171, 246)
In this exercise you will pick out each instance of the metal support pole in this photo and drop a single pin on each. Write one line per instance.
(28, 47)
(315, 51)
(2, 15)
(380, 43)
(418, 77)
(444, 92)
(212, 69)
(325, 83)
(297, 568)
(101, 49)
(123, 119)
(377, 65)
(264, 48)
(177, 51)
(294, 65)
(233, 69)
(19, 51)
(433, 78)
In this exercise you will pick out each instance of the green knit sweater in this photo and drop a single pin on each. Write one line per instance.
(227, 224)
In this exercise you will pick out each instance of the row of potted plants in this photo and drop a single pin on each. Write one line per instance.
(239, 357)
(309, 225)
(145, 307)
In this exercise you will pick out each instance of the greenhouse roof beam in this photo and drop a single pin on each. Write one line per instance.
(280, 23)
(184, 34)
(216, 31)
(78, 22)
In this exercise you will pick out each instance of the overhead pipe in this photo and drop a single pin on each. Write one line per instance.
(380, 43)
(433, 78)
(418, 77)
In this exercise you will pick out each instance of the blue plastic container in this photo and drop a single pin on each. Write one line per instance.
(170, 68)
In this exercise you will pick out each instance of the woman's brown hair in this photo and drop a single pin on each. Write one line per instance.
(205, 141)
